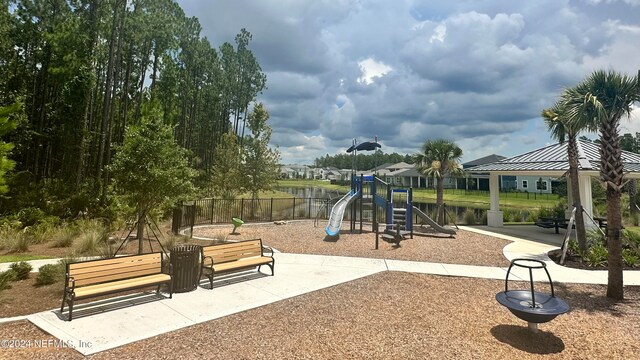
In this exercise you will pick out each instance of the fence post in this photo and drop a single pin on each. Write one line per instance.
(294, 209)
(271, 211)
(177, 219)
(309, 207)
(211, 209)
(242, 208)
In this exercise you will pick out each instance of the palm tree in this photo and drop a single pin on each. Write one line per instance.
(560, 130)
(439, 158)
(598, 103)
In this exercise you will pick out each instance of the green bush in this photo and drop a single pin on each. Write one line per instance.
(49, 274)
(6, 277)
(30, 216)
(597, 255)
(21, 269)
(630, 258)
(517, 216)
(506, 215)
(470, 217)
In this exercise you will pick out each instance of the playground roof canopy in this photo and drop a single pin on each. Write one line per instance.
(365, 146)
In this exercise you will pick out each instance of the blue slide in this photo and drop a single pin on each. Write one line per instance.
(337, 212)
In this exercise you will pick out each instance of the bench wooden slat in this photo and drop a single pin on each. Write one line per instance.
(224, 257)
(117, 260)
(121, 265)
(242, 263)
(114, 274)
(231, 247)
(121, 285)
(115, 277)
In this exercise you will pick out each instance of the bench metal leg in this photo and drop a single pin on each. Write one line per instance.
(64, 298)
(271, 266)
(71, 300)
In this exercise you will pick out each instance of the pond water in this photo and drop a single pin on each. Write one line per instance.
(313, 192)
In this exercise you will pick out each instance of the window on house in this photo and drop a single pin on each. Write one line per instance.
(525, 184)
(541, 185)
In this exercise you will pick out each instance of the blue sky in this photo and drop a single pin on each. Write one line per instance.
(475, 72)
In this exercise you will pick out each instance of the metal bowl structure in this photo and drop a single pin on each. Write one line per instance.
(529, 305)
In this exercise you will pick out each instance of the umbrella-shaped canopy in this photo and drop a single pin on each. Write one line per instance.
(366, 146)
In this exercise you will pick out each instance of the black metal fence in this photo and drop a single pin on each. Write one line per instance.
(214, 211)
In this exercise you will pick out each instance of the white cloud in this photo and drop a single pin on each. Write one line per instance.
(372, 69)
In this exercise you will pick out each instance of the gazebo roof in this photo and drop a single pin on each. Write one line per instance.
(554, 158)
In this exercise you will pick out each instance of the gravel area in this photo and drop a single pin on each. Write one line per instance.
(390, 315)
(301, 237)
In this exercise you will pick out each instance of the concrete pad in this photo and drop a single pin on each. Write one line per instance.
(117, 321)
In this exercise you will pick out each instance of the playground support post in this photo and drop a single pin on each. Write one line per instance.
(361, 199)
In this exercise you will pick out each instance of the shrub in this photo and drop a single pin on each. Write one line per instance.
(30, 216)
(483, 218)
(49, 274)
(597, 255)
(6, 277)
(17, 242)
(630, 257)
(517, 216)
(506, 215)
(21, 269)
(92, 236)
(469, 217)
(36, 234)
(63, 236)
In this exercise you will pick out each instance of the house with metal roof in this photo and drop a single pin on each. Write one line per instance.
(552, 161)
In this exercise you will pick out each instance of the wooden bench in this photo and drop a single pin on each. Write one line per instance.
(92, 278)
(232, 256)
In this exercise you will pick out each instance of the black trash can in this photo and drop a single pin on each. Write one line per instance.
(185, 260)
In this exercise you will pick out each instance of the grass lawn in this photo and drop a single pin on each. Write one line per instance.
(22, 257)
(452, 197)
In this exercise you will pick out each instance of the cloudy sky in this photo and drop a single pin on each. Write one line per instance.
(476, 72)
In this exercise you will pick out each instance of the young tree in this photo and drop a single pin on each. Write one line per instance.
(6, 125)
(439, 158)
(150, 169)
(226, 174)
(598, 103)
(261, 163)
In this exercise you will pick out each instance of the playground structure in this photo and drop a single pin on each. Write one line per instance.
(530, 305)
(369, 195)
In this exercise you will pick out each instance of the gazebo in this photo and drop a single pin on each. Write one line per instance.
(552, 161)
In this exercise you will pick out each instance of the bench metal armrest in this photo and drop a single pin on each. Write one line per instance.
(204, 260)
(268, 249)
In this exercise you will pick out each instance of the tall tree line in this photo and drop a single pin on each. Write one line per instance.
(362, 161)
(86, 69)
